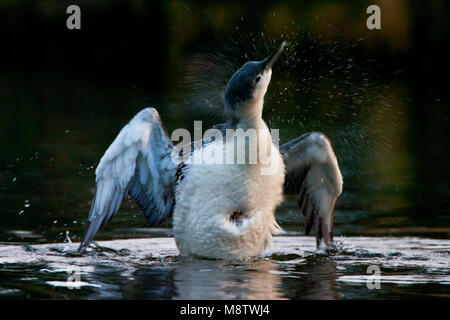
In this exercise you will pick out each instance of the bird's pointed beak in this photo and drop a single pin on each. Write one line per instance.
(270, 60)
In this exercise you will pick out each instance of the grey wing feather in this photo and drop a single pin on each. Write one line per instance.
(313, 174)
(138, 163)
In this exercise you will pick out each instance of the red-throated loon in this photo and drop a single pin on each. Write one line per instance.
(220, 210)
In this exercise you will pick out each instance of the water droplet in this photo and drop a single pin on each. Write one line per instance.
(67, 240)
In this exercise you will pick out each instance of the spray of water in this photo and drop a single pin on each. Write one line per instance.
(321, 83)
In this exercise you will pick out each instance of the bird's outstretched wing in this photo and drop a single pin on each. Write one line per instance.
(312, 173)
(139, 163)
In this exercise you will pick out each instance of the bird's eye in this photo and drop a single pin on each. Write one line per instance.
(257, 79)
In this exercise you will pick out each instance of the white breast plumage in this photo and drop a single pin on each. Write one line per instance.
(227, 210)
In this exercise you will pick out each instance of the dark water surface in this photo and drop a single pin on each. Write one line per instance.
(151, 269)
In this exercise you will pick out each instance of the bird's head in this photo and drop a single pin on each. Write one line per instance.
(244, 94)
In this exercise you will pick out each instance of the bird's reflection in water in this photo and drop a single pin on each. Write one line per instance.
(191, 278)
(208, 279)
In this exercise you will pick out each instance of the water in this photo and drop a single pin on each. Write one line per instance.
(151, 269)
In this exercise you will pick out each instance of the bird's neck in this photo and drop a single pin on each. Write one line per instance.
(252, 117)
